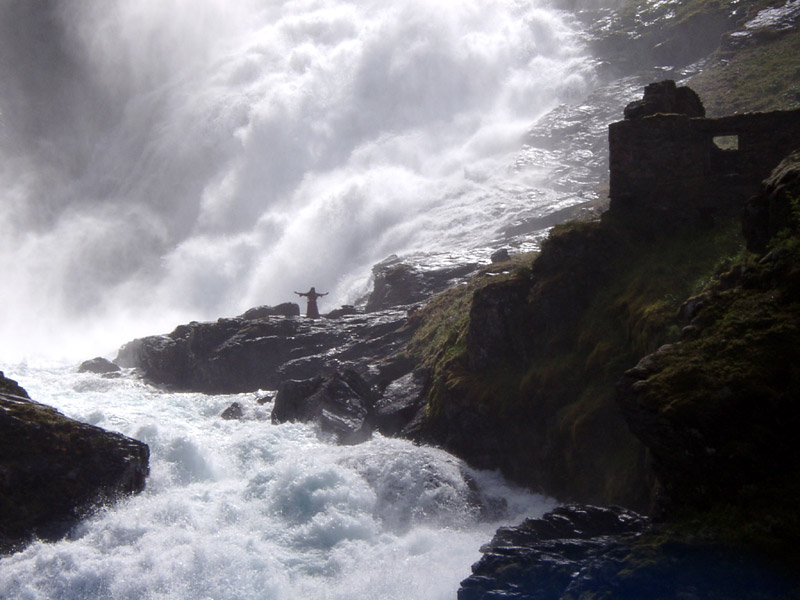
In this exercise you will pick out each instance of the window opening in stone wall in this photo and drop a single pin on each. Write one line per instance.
(727, 142)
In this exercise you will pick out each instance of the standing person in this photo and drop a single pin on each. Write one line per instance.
(312, 312)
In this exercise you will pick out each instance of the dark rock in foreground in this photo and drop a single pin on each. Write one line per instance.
(54, 470)
(545, 558)
(588, 553)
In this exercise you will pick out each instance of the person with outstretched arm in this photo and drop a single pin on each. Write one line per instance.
(312, 312)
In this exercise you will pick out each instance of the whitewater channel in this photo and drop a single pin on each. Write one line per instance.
(163, 161)
(237, 510)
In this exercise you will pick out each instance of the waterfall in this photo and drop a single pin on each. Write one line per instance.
(169, 160)
(163, 161)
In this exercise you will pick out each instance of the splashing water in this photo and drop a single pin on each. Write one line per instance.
(169, 160)
(247, 510)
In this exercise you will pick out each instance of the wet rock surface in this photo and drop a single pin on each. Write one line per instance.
(587, 552)
(397, 283)
(341, 403)
(548, 558)
(54, 470)
(238, 354)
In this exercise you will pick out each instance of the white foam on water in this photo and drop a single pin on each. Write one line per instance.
(251, 510)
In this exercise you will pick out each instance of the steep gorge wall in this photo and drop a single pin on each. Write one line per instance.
(530, 386)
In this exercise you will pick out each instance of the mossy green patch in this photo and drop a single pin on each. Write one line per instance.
(441, 325)
(761, 78)
(563, 385)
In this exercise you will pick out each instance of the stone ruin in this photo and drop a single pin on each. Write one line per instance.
(671, 165)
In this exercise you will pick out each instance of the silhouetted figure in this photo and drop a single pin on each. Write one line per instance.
(312, 311)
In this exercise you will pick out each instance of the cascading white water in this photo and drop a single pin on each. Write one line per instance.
(170, 160)
(248, 510)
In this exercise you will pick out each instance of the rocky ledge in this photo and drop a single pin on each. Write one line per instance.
(552, 556)
(54, 470)
(582, 552)
(246, 354)
(267, 346)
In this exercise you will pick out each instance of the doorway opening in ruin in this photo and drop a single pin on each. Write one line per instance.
(727, 142)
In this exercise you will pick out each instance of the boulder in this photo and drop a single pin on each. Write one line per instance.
(499, 256)
(399, 284)
(541, 558)
(340, 403)
(55, 470)
(233, 413)
(402, 401)
(242, 355)
(287, 309)
(98, 365)
(580, 551)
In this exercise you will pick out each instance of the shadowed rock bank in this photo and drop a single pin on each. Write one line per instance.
(55, 470)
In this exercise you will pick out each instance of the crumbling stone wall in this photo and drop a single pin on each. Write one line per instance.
(667, 169)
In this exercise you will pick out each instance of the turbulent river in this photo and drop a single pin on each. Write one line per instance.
(171, 160)
(249, 510)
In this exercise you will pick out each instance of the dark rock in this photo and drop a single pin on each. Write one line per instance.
(287, 309)
(664, 97)
(402, 401)
(769, 212)
(9, 387)
(340, 403)
(265, 399)
(495, 318)
(54, 470)
(400, 284)
(500, 255)
(717, 410)
(540, 558)
(98, 365)
(239, 355)
(233, 413)
(343, 311)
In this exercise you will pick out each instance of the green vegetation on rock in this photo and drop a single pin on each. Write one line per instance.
(760, 78)
(587, 309)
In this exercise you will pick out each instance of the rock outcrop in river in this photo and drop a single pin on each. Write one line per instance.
(55, 470)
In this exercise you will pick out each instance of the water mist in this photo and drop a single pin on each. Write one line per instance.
(169, 160)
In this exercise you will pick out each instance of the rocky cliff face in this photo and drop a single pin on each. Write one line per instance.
(54, 470)
(718, 409)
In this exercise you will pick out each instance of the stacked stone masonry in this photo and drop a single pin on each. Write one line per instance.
(696, 168)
